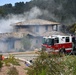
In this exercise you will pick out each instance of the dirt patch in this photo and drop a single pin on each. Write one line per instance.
(19, 68)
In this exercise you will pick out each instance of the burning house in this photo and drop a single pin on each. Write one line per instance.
(35, 29)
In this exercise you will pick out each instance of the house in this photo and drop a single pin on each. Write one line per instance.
(37, 26)
(35, 29)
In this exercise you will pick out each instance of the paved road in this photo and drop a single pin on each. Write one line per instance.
(26, 56)
(22, 55)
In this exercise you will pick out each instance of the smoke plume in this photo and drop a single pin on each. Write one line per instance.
(34, 13)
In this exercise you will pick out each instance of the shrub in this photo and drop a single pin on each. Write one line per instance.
(47, 64)
(70, 65)
(1, 65)
(11, 60)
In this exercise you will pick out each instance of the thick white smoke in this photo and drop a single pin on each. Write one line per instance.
(34, 13)
(10, 19)
(5, 24)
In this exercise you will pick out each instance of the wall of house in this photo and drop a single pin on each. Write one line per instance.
(37, 29)
(59, 27)
(3, 46)
(41, 29)
(36, 42)
(17, 45)
(34, 29)
(21, 28)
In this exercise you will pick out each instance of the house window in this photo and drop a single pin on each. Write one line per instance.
(10, 44)
(37, 28)
(36, 41)
(46, 28)
(54, 27)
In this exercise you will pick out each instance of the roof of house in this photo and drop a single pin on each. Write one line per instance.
(53, 33)
(16, 34)
(36, 22)
(19, 35)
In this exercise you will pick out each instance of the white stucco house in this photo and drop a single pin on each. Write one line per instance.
(34, 28)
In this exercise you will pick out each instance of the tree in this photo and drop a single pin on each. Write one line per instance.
(73, 28)
(2, 12)
(8, 8)
(26, 42)
(19, 7)
(46, 64)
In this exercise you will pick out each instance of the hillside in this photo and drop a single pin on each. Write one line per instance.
(62, 11)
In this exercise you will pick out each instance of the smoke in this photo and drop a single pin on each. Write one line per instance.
(5, 23)
(34, 13)
(50, 16)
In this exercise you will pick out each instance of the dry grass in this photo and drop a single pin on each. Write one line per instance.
(19, 68)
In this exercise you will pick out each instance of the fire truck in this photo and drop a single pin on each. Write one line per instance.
(59, 43)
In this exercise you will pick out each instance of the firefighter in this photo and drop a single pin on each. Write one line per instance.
(1, 57)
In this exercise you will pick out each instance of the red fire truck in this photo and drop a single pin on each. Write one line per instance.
(58, 43)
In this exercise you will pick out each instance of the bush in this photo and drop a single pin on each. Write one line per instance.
(47, 64)
(1, 65)
(70, 65)
(11, 60)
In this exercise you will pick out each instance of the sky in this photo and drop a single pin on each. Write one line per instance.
(3, 2)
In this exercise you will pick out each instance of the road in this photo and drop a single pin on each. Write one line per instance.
(23, 55)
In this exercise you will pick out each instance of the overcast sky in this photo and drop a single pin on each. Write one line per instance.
(2, 2)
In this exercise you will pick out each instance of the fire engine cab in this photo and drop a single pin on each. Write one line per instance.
(56, 43)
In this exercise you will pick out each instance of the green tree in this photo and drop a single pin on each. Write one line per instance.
(11, 60)
(26, 42)
(46, 64)
(19, 8)
(73, 28)
(1, 65)
(8, 8)
(2, 12)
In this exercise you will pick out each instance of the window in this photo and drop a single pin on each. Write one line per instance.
(44, 40)
(56, 40)
(54, 27)
(46, 28)
(36, 41)
(10, 44)
(37, 28)
(50, 41)
(73, 39)
(67, 39)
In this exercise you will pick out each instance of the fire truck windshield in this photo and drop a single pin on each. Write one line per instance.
(48, 41)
